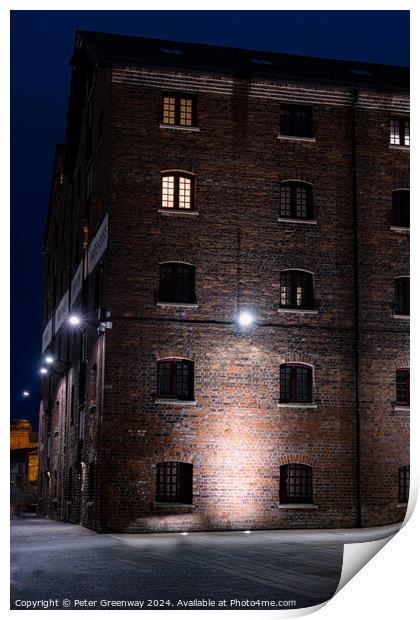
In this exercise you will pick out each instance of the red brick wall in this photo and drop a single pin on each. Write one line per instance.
(236, 436)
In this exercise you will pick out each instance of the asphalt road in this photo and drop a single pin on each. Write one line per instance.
(54, 562)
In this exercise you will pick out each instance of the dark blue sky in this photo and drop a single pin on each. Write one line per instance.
(41, 45)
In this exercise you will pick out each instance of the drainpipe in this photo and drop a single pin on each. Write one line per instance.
(355, 95)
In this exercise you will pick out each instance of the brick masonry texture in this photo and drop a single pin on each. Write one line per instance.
(235, 434)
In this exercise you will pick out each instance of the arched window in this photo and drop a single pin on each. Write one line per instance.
(403, 386)
(296, 484)
(178, 191)
(403, 484)
(402, 296)
(174, 482)
(175, 379)
(177, 283)
(93, 385)
(296, 290)
(296, 200)
(401, 208)
(295, 383)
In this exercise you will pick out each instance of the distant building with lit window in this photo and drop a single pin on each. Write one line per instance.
(227, 292)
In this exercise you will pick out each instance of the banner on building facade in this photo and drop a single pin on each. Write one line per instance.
(76, 284)
(98, 245)
(62, 312)
(47, 335)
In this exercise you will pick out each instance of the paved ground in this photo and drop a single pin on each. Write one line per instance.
(54, 561)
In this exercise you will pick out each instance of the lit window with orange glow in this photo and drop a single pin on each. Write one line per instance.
(178, 191)
(185, 112)
(169, 110)
(179, 110)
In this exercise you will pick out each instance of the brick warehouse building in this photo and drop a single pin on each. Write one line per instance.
(197, 183)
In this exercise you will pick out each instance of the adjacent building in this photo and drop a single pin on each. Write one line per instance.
(226, 291)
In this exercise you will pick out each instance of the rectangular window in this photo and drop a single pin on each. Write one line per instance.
(296, 200)
(401, 208)
(177, 283)
(296, 484)
(403, 386)
(179, 110)
(174, 482)
(295, 383)
(403, 484)
(296, 121)
(400, 131)
(178, 191)
(176, 379)
(402, 296)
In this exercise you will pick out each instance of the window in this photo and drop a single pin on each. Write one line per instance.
(295, 383)
(70, 485)
(174, 482)
(93, 385)
(402, 296)
(72, 400)
(179, 110)
(91, 481)
(296, 484)
(403, 484)
(177, 283)
(296, 200)
(400, 131)
(296, 121)
(296, 290)
(401, 208)
(178, 191)
(403, 386)
(176, 379)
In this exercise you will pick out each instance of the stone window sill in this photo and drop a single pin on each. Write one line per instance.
(179, 127)
(174, 304)
(403, 505)
(178, 212)
(296, 311)
(172, 505)
(399, 147)
(297, 405)
(296, 220)
(401, 409)
(174, 401)
(299, 506)
(404, 317)
(401, 229)
(297, 138)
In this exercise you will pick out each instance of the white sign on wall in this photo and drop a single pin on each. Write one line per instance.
(47, 335)
(62, 312)
(98, 245)
(76, 284)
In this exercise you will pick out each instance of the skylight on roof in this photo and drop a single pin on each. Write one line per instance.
(261, 61)
(360, 72)
(168, 50)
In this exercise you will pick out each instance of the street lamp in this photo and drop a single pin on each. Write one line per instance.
(28, 394)
(74, 319)
(245, 318)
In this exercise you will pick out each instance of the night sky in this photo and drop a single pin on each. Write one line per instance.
(41, 46)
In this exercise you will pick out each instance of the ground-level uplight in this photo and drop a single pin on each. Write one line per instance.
(43, 370)
(49, 359)
(25, 393)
